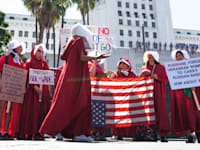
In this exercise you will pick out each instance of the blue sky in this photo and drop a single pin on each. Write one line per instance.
(185, 13)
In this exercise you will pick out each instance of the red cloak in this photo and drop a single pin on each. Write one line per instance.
(33, 111)
(124, 131)
(182, 112)
(197, 112)
(16, 107)
(70, 111)
(162, 125)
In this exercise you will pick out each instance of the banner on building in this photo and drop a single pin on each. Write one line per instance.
(183, 74)
(42, 77)
(13, 84)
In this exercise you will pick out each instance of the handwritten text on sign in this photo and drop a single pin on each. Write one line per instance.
(13, 84)
(184, 74)
(43, 77)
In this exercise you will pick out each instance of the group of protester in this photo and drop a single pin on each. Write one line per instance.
(69, 114)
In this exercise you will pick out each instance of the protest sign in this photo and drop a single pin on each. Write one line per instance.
(183, 74)
(42, 77)
(13, 84)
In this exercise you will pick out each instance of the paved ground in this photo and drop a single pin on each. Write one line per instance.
(51, 144)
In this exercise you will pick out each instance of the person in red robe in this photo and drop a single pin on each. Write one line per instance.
(157, 72)
(70, 112)
(37, 97)
(9, 120)
(182, 108)
(124, 71)
(57, 75)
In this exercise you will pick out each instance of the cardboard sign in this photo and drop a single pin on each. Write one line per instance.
(183, 74)
(13, 84)
(42, 77)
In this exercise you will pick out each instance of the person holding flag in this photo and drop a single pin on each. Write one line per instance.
(37, 98)
(11, 110)
(70, 112)
(157, 72)
(124, 71)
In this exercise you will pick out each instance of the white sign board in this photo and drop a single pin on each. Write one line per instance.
(43, 77)
(183, 74)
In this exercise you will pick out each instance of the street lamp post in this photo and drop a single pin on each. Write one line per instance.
(143, 39)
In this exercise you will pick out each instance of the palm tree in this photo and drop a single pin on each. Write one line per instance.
(84, 6)
(34, 6)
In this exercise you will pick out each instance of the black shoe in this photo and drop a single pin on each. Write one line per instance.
(29, 137)
(163, 139)
(198, 136)
(119, 138)
(6, 136)
(38, 137)
(191, 139)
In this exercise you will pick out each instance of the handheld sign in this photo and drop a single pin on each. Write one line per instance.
(42, 77)
(183, 74)
(13, 84)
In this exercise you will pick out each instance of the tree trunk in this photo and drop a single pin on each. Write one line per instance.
(54, 47)
(47, 42)
(41, 33)
(58, 58)
(88, 21)
(83, 17)
(36, 29)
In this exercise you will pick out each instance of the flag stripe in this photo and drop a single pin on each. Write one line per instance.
(130, 101)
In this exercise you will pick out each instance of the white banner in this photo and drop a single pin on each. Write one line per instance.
(183, 74)
(43, 77)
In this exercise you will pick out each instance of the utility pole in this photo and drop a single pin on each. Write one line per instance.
(143, 38)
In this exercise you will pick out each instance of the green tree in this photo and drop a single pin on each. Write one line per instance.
(5, 35)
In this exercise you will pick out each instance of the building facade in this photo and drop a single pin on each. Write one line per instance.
(126, 18)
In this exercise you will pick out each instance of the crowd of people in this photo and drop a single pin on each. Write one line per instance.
(69, 113)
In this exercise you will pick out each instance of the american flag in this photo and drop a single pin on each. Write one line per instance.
(122, 102)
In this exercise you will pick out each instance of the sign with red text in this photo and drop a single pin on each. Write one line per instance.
(183, 74)
(102, 42)
(42, 77)
(13, 84)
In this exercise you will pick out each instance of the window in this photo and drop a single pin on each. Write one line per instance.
(154, 35)
(119, 4)
(130, 44)
(34, 35)
(138, 33)
(128, 14)
(136, 15)
(152, 16)
(198, 34)
(127, 5)
(47, 45)
(52, 46)
(121, 21)
(26, 44)
(146, 34)
(119, 13)
(135, 5)
(143, 6)
(178, 32)
(121, 43)
(150, 7)
(153, 24)
(144, 15)
(33, 44)
(12, 32)
(52, 35)
(26, 34)
(121, 32)
(137, 23)
(129, 33)
(25, 19)
(12, 18)
(129, 22)
(20, 33)
(145, 24)
(188, 33)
